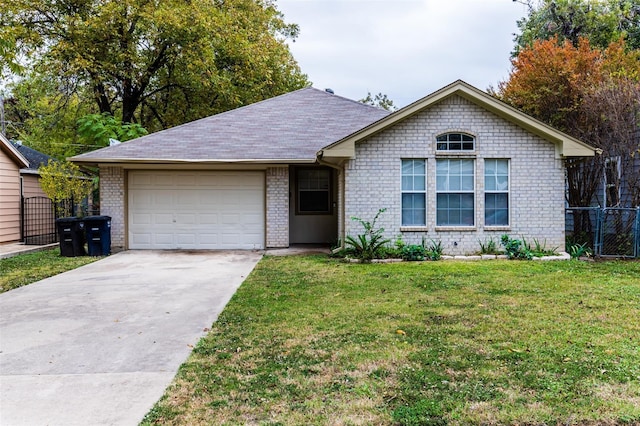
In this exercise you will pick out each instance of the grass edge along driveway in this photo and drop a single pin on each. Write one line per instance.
(27, 268)
(311, 340)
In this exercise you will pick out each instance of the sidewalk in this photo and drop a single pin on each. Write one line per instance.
(14, 249)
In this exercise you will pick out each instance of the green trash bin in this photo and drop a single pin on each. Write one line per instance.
(98, 232)
(71, 236)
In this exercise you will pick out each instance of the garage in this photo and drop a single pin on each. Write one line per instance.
(196, 210)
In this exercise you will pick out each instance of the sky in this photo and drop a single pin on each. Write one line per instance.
(405, 49)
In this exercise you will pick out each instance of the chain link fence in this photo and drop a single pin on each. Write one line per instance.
(608, 232)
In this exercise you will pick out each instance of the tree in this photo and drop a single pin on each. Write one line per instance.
(44, 119)
(63, 181)
(98, 129)
(380, 100)
(548, 79)
(157, 63)
(611, 112)
(590, 93)
(601, 21)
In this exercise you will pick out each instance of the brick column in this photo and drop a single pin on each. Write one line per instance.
(277, 207)
(112, 203)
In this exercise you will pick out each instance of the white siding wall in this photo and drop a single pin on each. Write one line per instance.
(373, 178)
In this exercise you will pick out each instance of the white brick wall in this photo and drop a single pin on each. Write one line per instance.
(373, 178)
(112, 203)
(278, 207)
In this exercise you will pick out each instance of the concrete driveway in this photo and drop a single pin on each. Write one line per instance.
(98, 345)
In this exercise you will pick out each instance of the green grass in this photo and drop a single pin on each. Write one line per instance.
(310, 340)
(30, 267)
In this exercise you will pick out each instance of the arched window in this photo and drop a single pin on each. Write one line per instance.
(455, 142)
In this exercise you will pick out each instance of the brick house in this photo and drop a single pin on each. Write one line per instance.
(457, 166)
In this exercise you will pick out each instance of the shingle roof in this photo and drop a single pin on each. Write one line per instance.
(35, 158)
(290, 127)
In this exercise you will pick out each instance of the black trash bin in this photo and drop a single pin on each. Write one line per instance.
(71, 236)
(98, 231)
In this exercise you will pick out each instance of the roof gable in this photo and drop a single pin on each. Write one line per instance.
(285, 129)
(566, 146)
(8, 148)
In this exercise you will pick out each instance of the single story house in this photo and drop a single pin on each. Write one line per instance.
(38, 211)
(11, 161)
(457, 166)
(30, 174)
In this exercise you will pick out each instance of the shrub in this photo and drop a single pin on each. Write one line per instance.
(434, 251)
(539, 249)
(577, 251)
(489, 247)
(413, 252)
(368, 245)
(515, 249)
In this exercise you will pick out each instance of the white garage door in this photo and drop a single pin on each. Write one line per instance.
(196, 210)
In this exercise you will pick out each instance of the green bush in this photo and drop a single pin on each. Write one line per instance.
(515, 249)
(577, 251)
(434, 250)
(413, 252)
(489, 247)
(370, 244)
(539, 249)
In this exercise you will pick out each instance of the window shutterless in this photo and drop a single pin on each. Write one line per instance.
(414, 206)
(496, 192)
(314, 191)
(455, 192)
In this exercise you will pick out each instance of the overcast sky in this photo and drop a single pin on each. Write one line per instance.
(405, 49)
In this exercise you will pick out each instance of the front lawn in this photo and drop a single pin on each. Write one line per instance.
(311, 340)
(30, 267)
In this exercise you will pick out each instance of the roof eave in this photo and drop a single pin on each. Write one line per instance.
(97, 161)
(13, 153)
(29, 172)
(566, 145)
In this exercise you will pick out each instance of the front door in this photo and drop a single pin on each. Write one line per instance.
(313, 217)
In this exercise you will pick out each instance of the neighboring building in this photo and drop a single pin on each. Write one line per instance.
(457, 166)
(38, 211)
(11, 161)
(30, 175)
(620, 182)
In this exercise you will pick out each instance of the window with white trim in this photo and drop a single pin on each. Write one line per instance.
(455, 142)
(455, 185)
(496, 192)
(414, 191)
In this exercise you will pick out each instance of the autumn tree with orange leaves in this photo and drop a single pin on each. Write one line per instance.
(589, 93)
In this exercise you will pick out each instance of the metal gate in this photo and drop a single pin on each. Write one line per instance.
(619, 233)
(38, 221)
(609, 232)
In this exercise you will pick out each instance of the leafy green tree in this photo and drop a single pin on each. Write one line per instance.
(98, 129)
(63, 181)
(601, 21)
(157, 63)
(45, 119)
(380, 100)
